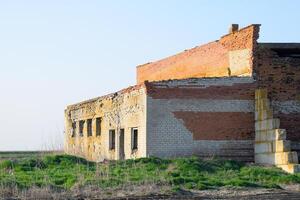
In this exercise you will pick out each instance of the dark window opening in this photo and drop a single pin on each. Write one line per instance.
(287, 52)
(98, 126)
(134, 138)
(81, 127)
(121, 142)
(73, 129)
(89, 127)
(112, 139)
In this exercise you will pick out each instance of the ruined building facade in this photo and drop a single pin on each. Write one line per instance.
(199, 102)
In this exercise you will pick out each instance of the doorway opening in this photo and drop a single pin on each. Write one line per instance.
(121, 150)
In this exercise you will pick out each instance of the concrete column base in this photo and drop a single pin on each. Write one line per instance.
(270, 135)
(271, 146)
(278, 158)
(290, 168)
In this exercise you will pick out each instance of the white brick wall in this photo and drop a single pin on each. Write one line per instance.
(168, 137)
(129, 108)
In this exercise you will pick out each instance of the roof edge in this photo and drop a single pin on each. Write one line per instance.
(110, 95)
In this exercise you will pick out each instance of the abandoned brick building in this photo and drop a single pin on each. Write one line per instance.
(232, 98)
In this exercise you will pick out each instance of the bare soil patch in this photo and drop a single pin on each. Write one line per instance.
(290, 192)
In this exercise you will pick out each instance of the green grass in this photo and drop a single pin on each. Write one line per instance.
(63, 171)
(24, 154)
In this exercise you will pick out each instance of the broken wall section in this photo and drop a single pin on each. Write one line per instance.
(206, 117)
(277, 69)
(232, 55)
(119, 112)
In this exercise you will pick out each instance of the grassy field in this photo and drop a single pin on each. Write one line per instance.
(66, 172)
(13, 155)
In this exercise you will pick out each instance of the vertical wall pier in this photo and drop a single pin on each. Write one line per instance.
(271, 146)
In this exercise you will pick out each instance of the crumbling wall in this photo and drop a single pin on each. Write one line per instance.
(206, 117)
(229, 56)
(279, 73)
(183, 113)
(122, 110)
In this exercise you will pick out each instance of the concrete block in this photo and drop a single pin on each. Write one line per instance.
(273, 146)
(290, 168)
(290, 157)
(263, 115)
(281, 158)
(262, 104)
(261, 94)
(267, 124)
(270, 135)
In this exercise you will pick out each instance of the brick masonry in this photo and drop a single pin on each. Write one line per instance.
(207, 117)
(280, 75)
(125, 109)
(229, 56)
(200, 101)
(206, 88)
(218, 125)
(169, 136)
(204, 125)
(271, 146)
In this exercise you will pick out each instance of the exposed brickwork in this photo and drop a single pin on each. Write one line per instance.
(280, 75)
(244, 39)
(125, 110)
(241, 150)
(218, 125)
(237, 91)
(291, 123)
(210, 60)
(200, 101)
(188, 64)
(168, 136)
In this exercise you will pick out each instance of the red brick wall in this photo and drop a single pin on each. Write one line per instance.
(281, 77)
(210, 60)
(218, 125)
(290, 122)
(234, 124)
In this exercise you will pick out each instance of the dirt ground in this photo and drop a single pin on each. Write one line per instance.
(290, 192)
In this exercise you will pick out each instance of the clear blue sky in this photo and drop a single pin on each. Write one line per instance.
(57, 52)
